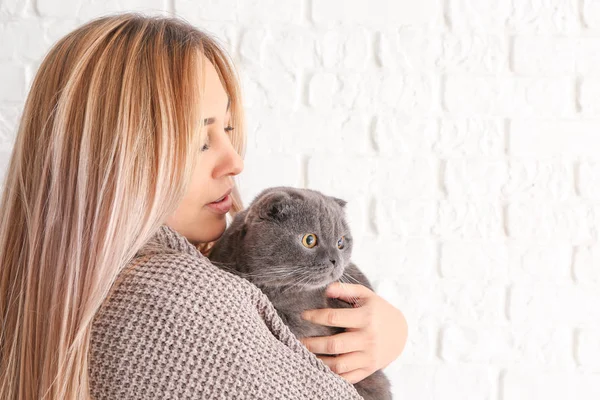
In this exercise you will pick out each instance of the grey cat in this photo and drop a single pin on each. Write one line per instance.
(292, 243)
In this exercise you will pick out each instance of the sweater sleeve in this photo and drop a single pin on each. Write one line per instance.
(177, 327)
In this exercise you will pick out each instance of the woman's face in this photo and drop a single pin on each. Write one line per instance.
(196, 218)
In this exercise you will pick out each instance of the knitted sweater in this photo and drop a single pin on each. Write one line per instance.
(176, 327)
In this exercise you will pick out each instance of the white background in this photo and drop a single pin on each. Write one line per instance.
(464, 135)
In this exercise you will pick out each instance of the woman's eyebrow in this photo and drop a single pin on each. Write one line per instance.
(208, 121)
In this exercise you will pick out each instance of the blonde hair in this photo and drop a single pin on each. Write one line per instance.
(106, 144)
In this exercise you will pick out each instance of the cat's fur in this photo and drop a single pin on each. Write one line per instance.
(264, 245)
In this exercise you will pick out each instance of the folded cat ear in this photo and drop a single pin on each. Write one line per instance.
(274, 206)
(341, 202)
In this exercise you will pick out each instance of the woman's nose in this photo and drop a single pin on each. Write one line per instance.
(230, 162)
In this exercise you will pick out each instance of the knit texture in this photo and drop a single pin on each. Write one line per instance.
(177, 327)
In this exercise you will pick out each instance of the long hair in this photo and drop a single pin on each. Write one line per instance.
(105, 149)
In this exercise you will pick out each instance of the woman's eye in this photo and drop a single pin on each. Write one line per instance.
(227, 129)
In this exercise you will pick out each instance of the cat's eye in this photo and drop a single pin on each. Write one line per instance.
(341, 243)
(309, 240)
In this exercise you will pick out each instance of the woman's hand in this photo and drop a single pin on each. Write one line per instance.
(376, 332)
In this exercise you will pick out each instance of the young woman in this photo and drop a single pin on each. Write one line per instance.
(119, 182)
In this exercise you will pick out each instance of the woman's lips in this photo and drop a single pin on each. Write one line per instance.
(222, 197)
(221, 207)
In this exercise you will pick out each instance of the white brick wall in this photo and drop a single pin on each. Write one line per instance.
(463, 133)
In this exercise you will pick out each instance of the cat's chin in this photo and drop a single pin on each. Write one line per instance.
(331, 277)
(315, 286)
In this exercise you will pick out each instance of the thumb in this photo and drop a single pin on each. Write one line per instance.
(349, 292)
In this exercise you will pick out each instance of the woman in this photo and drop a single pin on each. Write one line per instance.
(130, 137)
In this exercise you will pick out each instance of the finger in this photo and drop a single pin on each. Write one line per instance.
(338, 317)
(346, 362)
(355, 376)
(340, 343)
(349, 292)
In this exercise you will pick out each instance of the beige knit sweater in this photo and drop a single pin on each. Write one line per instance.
(177, 327)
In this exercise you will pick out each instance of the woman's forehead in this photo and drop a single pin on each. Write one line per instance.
(217, 99)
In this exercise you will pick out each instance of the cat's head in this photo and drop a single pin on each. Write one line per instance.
(296, 237)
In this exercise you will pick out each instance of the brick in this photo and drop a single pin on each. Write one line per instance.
(290, 48)
(377, 13)
(396, 258)
(214, 10)
(566, 221)
(251, 44)
(408, 49)
(309, 131)
(474, 177)
(473, 136)
(331, 174)
(21, 40)
(549, 16)
(450, 302)
(480, 344)
(248, 12)
(523, 16)
(585, 386)
(266, 88)
(407, 177)
(590, 13)
(509, 96)
(374, 91)
(587, 348)
(279, 170)
(412, 381)
(469, 219)
(357, 217)
(491, 344)
(524, 384)
(567, 138)
(556, 55)
(477, 15)
(586, 264)
(401, 134)
(467, 382)
(13, 86)
(430, 382)
(404, 217)
(479, 260)
(344, 48)
(539, 180)
(549, 304)
(88, 10)
(9, 124)
(419, 348)
(323, 89)
(11, 8)
(588, 96)
(474, 53)
(588, 177)
(532, 262)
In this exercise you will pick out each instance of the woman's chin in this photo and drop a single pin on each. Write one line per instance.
(217, 228)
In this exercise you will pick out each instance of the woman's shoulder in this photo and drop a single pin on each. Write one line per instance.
(177, 279)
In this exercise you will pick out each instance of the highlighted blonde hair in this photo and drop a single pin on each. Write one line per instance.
(106, 145)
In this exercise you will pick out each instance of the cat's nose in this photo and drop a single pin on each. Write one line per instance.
(332, 261)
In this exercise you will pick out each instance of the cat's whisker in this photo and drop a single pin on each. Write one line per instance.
(353, 298)
(353, 278)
